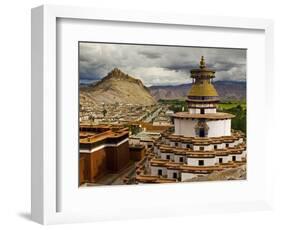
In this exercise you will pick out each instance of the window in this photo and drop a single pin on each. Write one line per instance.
(215, 147)
(220, 160)
(226, 145)
(233, 158)
(188, 146)
(181, 159)
(201, 162)
(175, 175)
(168, 157)
(201, 148)
(176, 144)
(160, 172)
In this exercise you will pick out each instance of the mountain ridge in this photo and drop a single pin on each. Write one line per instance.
(119, 87)
(227, 90)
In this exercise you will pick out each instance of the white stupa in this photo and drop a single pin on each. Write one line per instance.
(202, 142)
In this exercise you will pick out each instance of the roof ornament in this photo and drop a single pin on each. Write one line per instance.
(202, 63)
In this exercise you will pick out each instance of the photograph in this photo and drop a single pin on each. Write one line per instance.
(152, 114)
(141, 112)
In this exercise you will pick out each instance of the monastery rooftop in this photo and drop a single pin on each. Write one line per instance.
(92, 134)
(211, 116)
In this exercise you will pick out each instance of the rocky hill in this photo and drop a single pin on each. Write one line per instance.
(227, 90)
(239, 173)
(118, 87)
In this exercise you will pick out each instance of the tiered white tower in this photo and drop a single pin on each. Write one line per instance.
(203, 141)
(202, 118)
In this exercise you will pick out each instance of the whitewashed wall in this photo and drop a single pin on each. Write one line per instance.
(155, 149)
(202, 105)
(207, 161)
(154, 170)
(197, 111)
(158, 152)
(185, 127)
(213, 110)
(219, 128)
(194, 111)
(167, 141)
(170, 173)
(238, 157)
(183, 145)
(164, 156)
(176, 144)
(225, 159)
(177, 159)
(206, 147)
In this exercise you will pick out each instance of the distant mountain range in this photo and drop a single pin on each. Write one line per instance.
(117, 87)
(227, 90)
(122, 88)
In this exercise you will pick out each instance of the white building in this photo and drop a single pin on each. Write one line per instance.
(203, 141)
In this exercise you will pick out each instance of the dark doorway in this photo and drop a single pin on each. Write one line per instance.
(201, 132)
(233, 158)
(202, 111)
(175, 175)
(159, 172)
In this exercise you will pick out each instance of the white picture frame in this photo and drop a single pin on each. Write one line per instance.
(46, 185)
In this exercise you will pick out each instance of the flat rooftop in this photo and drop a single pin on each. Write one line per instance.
(211, 116)
(96, 133)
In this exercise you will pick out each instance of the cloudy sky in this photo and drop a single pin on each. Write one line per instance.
(159, 65)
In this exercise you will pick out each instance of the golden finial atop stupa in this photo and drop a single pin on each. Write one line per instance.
(202, 63)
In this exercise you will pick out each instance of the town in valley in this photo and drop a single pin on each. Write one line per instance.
(130, 133)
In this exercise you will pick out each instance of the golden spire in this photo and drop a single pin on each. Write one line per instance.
(202, 86)
(202, 63)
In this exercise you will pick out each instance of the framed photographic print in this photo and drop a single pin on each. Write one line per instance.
(137, 114)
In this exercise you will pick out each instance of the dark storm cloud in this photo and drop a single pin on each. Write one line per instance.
(218, 66)
(151, 55)
(225, 66)
(186, 67)
(159, 65)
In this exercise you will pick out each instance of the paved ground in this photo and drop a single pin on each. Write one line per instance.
(115, 178)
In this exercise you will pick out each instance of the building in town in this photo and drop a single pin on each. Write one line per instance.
(103, 149)
(202, 142)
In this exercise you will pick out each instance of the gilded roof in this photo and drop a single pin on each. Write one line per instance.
(203, 89)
